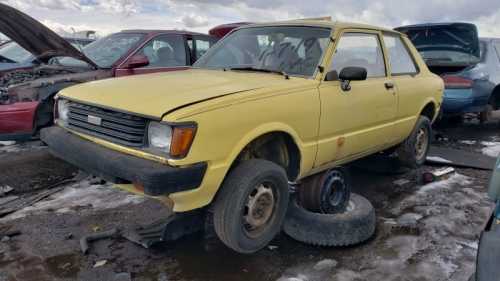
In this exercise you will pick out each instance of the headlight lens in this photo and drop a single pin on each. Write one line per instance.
(63, 111)
(159, 136)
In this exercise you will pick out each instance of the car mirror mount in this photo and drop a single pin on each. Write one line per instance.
(137, 61)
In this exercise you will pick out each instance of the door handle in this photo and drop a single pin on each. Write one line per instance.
(389, 85)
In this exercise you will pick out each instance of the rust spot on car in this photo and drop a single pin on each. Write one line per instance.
(340, 141)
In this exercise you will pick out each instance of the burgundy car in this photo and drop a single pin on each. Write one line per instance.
(26, 95)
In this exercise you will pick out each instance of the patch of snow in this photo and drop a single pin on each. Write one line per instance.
(472, 245)
(80, 194)
(456, 179)
(401, 182)
(326, 264)
(468, 142)
(492, 150)
(490, 143)
(7, 143)
(437, 159)
(14, 147)
(447, 266)
(299, 277)
(409, 218)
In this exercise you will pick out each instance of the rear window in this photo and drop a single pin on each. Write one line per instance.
(456, 44)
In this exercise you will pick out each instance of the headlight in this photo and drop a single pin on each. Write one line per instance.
(159, 136)
(63, 111)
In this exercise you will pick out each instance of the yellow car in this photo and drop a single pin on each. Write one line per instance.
(268, 105)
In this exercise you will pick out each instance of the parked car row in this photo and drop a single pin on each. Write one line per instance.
(39, 63)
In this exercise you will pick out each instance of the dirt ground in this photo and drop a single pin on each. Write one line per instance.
(424, 232)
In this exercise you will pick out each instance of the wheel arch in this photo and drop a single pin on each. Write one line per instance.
(495, 97)
(429, 110)
(278, 137)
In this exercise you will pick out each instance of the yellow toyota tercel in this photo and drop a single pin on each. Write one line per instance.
(268, 105)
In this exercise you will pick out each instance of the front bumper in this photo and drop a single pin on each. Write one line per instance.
(157, 179)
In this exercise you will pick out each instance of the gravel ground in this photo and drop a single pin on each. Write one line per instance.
(423, 232)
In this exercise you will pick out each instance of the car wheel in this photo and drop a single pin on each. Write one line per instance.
(327, 192)
(355, 225)
(251, 206)
(413, 151)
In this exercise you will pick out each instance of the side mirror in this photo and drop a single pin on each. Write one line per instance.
(351, 73)
(136, 62)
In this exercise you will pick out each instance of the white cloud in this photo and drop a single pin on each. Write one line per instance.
(200, 15)
(193, 20)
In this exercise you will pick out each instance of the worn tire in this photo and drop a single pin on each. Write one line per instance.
(230, 205)
(407, 151)
(328, 192)
(354, 226)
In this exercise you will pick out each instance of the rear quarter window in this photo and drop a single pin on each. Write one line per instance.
(400, 59)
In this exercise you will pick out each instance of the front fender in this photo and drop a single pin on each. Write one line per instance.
(217, 171)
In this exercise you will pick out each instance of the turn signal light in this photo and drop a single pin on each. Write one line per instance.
(182, 138)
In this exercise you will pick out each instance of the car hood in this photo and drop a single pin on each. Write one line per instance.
(33, 36)
(457, 37)
(157, 94)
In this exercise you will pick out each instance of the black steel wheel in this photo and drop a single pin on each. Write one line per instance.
(326, 193)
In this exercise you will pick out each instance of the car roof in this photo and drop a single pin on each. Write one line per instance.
(323, 23)
(160, 31)
(437, 24)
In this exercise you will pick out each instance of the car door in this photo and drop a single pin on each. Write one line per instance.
(409, 85)
(358, 120)
(166, 52)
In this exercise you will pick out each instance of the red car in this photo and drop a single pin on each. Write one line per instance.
(26, 95)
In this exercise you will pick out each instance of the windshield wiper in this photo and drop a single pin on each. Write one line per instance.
(249, 68)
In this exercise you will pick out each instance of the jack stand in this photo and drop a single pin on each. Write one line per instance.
(167, 229)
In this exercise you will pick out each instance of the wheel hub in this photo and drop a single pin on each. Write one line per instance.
(259, 208)
(421, 144)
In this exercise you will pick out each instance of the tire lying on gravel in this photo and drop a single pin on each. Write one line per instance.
(355, 225)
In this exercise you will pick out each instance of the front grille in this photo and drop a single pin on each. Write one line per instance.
(117, 127)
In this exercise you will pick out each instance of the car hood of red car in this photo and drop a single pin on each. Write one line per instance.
(36, 38)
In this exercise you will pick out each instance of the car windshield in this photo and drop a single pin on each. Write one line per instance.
(15, 53)
(288, 49)
(106, 51)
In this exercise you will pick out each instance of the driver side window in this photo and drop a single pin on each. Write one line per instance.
(165, 51)
(359, 50)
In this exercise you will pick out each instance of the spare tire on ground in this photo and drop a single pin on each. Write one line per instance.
(355, 225)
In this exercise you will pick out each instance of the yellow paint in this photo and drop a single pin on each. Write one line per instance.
(232, 108)
(132, 189)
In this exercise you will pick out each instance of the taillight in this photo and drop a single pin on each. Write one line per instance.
(456, 82)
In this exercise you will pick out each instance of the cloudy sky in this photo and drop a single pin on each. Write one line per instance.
(106, 16)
